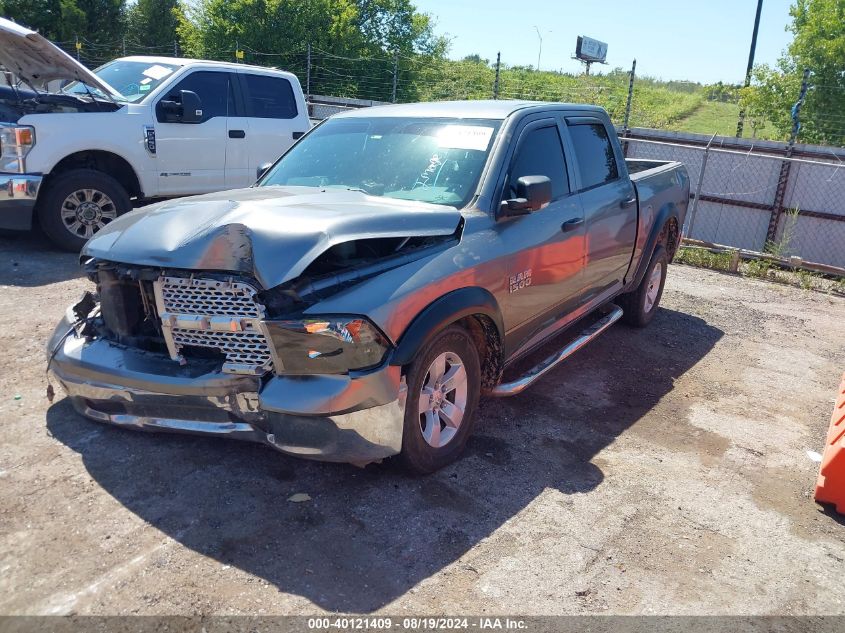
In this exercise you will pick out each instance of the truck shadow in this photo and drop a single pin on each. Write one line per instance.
(368, 536)
(28, 259)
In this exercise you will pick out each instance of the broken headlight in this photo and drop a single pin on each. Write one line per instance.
(326, 345)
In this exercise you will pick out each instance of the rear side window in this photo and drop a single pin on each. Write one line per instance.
(214, 89)
(540, 154)
(271, 97)
(594, 151)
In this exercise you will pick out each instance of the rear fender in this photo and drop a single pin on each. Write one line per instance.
(666, 213)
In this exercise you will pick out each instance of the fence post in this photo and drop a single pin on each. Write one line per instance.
(308, 73)
(395, 74)
(496, 81)
(78, 48)
(124, 46)
(783, 178)
(691, 220)
(175, 48)
(625, 128)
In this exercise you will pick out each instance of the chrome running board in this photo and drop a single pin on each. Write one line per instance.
(523, 382)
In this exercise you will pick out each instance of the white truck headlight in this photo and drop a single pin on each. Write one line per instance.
(16, 141)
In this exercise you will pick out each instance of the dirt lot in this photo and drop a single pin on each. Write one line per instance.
(660, 471)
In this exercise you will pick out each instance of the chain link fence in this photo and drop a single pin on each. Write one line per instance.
(762, 202)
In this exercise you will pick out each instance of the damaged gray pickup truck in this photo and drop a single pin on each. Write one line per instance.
(388, 270)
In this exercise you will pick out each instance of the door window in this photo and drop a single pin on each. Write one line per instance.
(594, 151)
(214, 89)
(270, 97)
(540, 154)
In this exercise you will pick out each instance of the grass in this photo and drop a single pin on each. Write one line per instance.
(703, 258)
(760, 269)
(717, 117)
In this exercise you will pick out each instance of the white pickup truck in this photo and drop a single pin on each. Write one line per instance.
(136, 128)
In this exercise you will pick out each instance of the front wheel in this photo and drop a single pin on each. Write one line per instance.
(444, 383)
(78, 203)
(640, 305)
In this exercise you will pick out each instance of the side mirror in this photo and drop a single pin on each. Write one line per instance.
(263, 168)
(533, 193)
(185, 108)
(191, 107)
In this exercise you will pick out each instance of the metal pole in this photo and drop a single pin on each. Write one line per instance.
(625, 128)
(175, 48)
(124, 46)
(587, 64)
(395, 74)
(496, 81)
(78, 48)
(691, 220)
(783, 178)
(750, 67)
(308, 73)
(539, 52)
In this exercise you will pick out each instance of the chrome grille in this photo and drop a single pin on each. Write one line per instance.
(222, 315)
(210, 297)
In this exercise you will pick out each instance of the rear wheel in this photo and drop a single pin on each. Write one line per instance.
(640, 305)
(444, 383)
(77, 204)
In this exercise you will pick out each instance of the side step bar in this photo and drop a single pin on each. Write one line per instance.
(523, 382)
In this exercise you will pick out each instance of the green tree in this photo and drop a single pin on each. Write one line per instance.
(152, 23)
(57, 20)
(353, 42)
(818, 27)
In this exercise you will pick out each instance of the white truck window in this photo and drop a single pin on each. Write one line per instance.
(271, 97)
(214, 89)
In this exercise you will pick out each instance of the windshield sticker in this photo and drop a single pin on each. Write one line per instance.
(144, 87)
(144, 82)
(475, 137)
(157, 72)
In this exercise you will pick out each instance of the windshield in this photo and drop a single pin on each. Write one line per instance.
(134, 80)
(424, 159)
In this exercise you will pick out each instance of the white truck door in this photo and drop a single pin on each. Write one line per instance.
(277, 116)
(192, 157)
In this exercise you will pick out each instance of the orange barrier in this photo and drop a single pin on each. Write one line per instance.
(830, 487)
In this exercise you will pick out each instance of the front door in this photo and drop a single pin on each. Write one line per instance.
(192, 157)
(544, 269)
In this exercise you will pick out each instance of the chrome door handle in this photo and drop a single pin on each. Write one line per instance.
(627, 203)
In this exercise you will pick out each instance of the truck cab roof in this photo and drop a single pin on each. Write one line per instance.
(481, 109)
(187, 61)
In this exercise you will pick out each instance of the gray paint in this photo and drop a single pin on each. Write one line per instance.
(273, 233)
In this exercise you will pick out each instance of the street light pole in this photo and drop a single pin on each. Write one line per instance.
(540, 52)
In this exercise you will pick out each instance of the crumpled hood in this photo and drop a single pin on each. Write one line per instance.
(272, 233)
(35, 60)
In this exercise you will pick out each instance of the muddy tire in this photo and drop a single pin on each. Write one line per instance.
(640, 305)
(444, 383)
(78, 203)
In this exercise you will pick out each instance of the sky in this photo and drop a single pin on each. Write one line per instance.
(705, 41)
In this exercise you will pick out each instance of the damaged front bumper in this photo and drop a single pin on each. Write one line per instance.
(355, 418)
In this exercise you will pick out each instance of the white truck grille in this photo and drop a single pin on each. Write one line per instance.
(215, 314)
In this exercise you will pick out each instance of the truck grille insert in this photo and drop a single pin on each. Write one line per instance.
(219, 315)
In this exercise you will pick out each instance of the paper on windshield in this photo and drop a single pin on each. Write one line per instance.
(475, 137)
(157, 72)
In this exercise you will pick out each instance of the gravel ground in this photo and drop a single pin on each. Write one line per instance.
(663, 470)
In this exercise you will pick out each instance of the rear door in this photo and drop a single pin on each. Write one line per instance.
(275, 116)
(609, 202)
(193, 157)
(545, 268)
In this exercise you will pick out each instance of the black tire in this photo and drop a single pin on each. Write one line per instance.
(108, 201)
(418, 454)
(638, 310)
